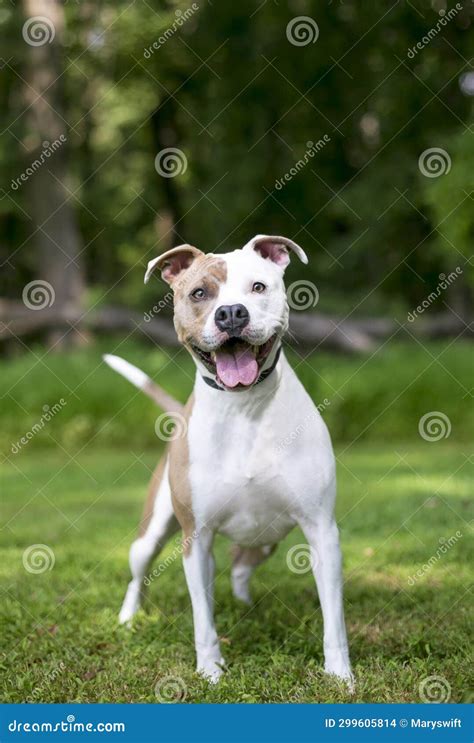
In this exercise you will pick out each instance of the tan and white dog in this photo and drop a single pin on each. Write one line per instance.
(229, 474)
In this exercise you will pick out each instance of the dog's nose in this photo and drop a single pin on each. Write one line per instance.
(232, 318)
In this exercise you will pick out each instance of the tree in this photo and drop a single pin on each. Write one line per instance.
(55, 233)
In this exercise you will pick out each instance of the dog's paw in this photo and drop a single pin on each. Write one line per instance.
(338, 665)
(346, 677)
(127, 612)
(211, 670)
(243, 595)
(127, 623)
(125, 619)
(131, 603)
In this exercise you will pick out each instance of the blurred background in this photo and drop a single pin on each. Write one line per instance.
(130, 127)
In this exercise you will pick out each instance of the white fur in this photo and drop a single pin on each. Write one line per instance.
(268, 311)
(127, 370)
(256, 490)
(162, 525)
(250, 246)
(261, 462)
(240, 577)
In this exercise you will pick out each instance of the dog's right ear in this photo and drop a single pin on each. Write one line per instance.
(173, 262)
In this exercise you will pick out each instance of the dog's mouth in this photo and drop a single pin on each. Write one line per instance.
(236, 363)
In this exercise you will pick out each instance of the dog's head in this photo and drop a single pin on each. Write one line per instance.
(230, 310)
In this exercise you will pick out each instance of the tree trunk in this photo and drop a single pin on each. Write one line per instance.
(165, 135)
(55, 236)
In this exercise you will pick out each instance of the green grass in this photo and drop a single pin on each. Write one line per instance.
(59, 628)
(78, 486)
(369, 397)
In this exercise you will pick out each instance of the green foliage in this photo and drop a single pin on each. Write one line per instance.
(451, 200)
(60, 631)
(242, 102)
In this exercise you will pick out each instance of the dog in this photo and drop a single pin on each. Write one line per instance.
(228, 473)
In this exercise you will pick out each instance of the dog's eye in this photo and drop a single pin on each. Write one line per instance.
(198, 294)
(258, 287)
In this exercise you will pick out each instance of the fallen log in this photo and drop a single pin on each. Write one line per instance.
(18, 320)
(307, 329)
(315, 329)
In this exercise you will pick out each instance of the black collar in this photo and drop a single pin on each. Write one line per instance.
(212, 383)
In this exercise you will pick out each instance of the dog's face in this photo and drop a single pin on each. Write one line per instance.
(230, 310)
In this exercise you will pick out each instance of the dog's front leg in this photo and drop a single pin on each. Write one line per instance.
(323, 539)
(199, 570)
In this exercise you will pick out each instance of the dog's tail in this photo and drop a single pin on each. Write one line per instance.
(144, 383)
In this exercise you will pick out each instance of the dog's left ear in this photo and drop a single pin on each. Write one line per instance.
(276, 249)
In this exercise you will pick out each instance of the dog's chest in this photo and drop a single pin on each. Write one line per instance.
(237, 489)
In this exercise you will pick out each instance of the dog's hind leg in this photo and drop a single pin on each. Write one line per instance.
(245, 560)
(158, 524)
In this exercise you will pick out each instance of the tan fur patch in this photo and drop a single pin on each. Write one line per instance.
(179, 482)
(207, 272)
(153, 488)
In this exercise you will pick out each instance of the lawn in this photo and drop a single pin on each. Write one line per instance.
(398, 504)
(369, 397)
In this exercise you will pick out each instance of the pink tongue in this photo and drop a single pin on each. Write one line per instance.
(237, 367)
